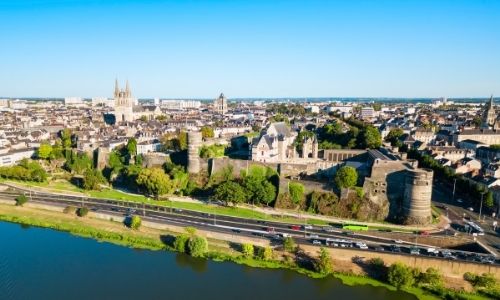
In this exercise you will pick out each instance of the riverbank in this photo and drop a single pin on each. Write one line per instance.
(154, 239)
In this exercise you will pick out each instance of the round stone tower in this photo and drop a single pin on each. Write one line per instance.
(194, 144)
(417, 196)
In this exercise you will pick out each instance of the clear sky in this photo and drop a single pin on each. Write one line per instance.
(253, 48)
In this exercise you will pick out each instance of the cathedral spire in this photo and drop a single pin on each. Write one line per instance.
(127, 90)
(117, 89)
(491, 101)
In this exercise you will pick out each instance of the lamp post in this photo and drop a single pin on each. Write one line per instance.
(481, 206)
(454, 185)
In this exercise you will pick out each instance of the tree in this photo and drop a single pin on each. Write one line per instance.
(66, 138)
(92, 179)
(44, 151)
(180, 243)
(247, 250)
(394, 135)
(289, 244)
(296, 191)
(323, 264)
(489, 201)
(82, 211)
(57, 149)
(230, 192)
(132, 147)
(400, 275)
(346, 177)
(154, 181)
(207, 132)
(182, 141)
(197, 246)
(144, 118)
(370, 138)
(265, 253)
(135, 222)
(21, 200)
(431, 276)
(259, 189)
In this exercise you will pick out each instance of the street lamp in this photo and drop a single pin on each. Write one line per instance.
(481, 206)
(454, 185)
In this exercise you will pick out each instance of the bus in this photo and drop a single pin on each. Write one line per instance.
(354, 227)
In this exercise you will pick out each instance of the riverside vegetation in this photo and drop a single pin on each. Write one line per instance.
(425, 285)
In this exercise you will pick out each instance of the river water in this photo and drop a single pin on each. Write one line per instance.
(38, 263)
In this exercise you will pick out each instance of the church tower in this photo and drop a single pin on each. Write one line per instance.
(490, 116)
(124, 103)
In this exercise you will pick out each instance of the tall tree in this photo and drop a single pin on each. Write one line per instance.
(132, 147)
(44, 151)
(154, 181)
(346, 177)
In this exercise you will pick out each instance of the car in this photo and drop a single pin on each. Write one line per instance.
(313, 236)
(270, 229)
(316, 242)
(460, 200)
(349, 233)
(308, 227)
(395, 248)
(379, 248)
(414, 251)
(295, 227)
(177, 210)
(328, 228)
(398, 241)
(361, 245)
(284, 235)
(471, 208)
(432, 250)
(334, 244)
(236, 230)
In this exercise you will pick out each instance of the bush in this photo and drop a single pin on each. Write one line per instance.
(82, 211)
(21, 200)
(431, 277)
(135, 222)
(197, 246)
(296, 191)
(180, 243)
(487, 280)
(247, 250)
(69, 210)
(265, 253)
(323, 264)
(289, 244)
(400, 276)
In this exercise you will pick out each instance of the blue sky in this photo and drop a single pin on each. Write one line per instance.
(189, 49)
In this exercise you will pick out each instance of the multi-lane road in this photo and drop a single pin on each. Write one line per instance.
(275, 231)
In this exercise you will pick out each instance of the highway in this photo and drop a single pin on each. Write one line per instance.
(238, 226)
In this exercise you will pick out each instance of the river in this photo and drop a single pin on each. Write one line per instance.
(38, 263)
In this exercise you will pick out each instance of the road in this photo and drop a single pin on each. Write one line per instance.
(443, 196)
(233, 225)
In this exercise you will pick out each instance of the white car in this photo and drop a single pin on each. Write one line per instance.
(308, 227)
(361, 245)
(398, 241)
(316, 242)
(471, 208)
(313, 236)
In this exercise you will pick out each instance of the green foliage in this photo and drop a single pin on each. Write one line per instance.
(154, 182)
(323, 264)
(135, 222)
(299, 140)
(400, 276)
(488, 200)
(57, 149)
(346, 177)
(207, 132)
(175, 142)
(394, 135)
(322, 203)
(190, 230)
(329, 145)
(26, 170)
(78, 162)
(132, 147)
(92, 179)
(247, 250)
(370, 138)
(44, 151)
(212, 151)
(82, 211)
(230, 192)
(66, 138)
(486, 280)
(180, 243)
(21, 200)
(265, 253)
(70, 210)
(377, 106)
(197, 246)
(259, 189)
(289, 244)
(296, 191)
(431, 277)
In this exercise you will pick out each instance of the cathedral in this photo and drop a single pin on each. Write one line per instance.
(490, 116)
(124, 103)
(127, 108)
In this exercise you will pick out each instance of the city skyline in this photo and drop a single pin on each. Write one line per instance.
(284, 49)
